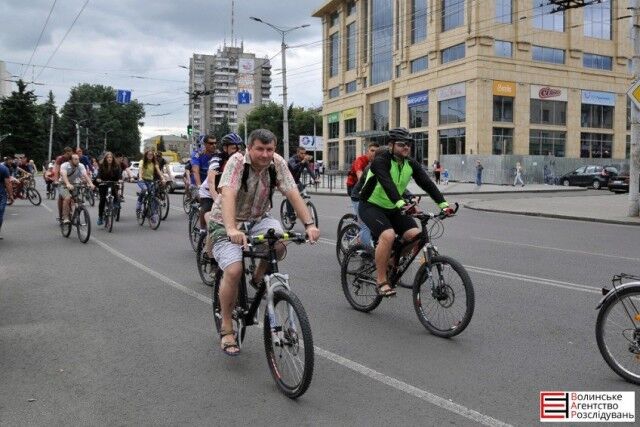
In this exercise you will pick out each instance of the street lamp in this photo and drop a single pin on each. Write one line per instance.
(104, 146)
(77, 122)
(285, 111)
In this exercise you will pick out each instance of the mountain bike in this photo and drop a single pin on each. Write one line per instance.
(189, 195)
(207, 266)
(23, 190)
(618, 326)
(88, 195)
(52, 192)
(150, 207)
(286, 331)
(289, 221)
(163, 195)
(79, 216)
(112, 205)
(443, 296)
(193, 223)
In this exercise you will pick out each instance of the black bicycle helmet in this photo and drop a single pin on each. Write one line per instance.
(400, 134)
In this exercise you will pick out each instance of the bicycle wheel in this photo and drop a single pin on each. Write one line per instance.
(117, 213)
(155, 214)
(443, 296)
(83, 224)
(288, 344)
(346, 219)
(313, 212)
(618, 333)
(108, 216)
(91, 198)
(207, 266)
(164, 197)
(194, 229)
(65, 229)
(358, 276)
(34, 196)
(287, 223)
(347, 237)
(141, 214)
(186, 201)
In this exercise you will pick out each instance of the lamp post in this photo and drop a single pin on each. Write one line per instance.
(77, 122)
(104, 146)
(285, 110)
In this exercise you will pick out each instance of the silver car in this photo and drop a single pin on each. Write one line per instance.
(176, 173)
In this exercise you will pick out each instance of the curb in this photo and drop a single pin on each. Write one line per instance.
(460, 193)
(555, 216)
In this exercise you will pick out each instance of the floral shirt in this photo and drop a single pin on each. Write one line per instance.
(253, 204)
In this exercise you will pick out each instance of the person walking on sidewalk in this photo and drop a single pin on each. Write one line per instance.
(479, 169)
(518, 175)
(437, 170)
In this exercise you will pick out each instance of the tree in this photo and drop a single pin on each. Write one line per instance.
(44, 113)
(222, 129)
(160, 145)
(18, 116)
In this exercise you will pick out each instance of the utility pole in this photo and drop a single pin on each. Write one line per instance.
(245, 131)
(634, 157)
(77, 135)
(50, 139)
(314, 140)
(86, 142)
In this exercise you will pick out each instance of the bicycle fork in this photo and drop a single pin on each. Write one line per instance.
(275, 281)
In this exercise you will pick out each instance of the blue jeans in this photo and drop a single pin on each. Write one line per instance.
(3, 204)
(144, 187)
(365, 233)
(479, 179)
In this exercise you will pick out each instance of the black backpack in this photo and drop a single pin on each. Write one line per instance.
(272, 179)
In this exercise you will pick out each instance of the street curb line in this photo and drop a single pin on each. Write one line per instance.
(459, 193)
(555, 216)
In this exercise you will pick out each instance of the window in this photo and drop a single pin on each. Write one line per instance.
(597, 20)
(452, 14)
(349, 152)
(350, 127)
(452, 111)
(600, 62)
(334, 54)
(595, 145)
(548, 54)
(548, 112)
(596, 116)
(544, 17)
(380, 116)
(504, 11)
(334, 92)
(453, 53)
(502, 141)
(419, 64)
(397, 106)
(333, 19)
(544, 142)
(332, 154)
(420, 147)
(502, 109)
(351, 86)
(351, 8)
(419, 116)
(398, 72)
(418, 20)
(503, 48)
(351, 46)
(452, 141)
(334, 130)
(381, 41)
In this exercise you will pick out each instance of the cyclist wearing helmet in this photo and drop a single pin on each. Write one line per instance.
(208, 189)
(381, 202)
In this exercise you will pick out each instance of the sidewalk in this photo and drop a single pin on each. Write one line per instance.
(458, 188)
(608, 208)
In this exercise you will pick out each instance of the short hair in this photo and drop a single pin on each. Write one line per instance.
(263, 135)
(67, 150)
(300, 148)
(374, 144)
(209, 136)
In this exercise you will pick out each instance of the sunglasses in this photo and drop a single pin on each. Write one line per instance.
(402, 144)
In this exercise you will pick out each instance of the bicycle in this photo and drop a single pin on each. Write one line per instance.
(618, 327)
(79, 216)
(111, 208)
(190, 193)
(88, 196)
(150, 207)
(52, 191)
(289, 222)
(194, 223)
(287, 334)
(433, 285)
(207, 266)
(163, 195)
(24, 190)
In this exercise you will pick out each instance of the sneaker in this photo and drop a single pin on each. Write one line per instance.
(100, 221)
(66, 221)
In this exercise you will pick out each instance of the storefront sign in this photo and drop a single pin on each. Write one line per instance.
(548, 93)
(333, 117)
(598, 98)
(450, 92)
(351, 113)
(501, 88)
(418, 98)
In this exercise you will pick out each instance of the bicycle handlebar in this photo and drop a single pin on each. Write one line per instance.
(429, 215)
(272, 236)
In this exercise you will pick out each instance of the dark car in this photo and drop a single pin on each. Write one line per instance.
(589, 176)
(620, 183)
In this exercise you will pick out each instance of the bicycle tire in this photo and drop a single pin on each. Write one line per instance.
(346, 218)
(443, 298)
(165, 205)
(363, 284)
(34, 196)
(193, 230)
(108, 217)
(314, 212)
(601, 321)
(83, 222)
(217, 315)
(207, 266)
(287, 223)
(186, 201)
(65, 229)
(117, 213)
(91, 198)
(347, 237)
(141, 214)
(155, 214)
(293, 345)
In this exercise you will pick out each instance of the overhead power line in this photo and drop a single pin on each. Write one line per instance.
(39, 37)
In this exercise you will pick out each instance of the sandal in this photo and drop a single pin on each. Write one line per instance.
(390, 292)
(229, 348)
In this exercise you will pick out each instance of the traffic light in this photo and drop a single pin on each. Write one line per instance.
(189, 130)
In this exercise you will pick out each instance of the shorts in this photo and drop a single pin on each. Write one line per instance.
(63, 191)
(226, 253)
(206, 203)
(379, 219)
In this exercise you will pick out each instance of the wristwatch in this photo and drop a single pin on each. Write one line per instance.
(307, 224)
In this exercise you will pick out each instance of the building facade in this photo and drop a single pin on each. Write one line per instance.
(5, 85)
(476, 77)
(238, 80)
(174, 143)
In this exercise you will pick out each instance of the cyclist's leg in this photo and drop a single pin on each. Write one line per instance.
(103, 199)
(142, 185)
(3, 204)
(206, 203)
(60, 199)
(261, 227)
(229, 258)
(382, 229)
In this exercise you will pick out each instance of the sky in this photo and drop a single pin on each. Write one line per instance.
(139, 46)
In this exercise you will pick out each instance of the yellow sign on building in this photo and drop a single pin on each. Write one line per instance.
(634, 94)
(501, 88)
(351, 113)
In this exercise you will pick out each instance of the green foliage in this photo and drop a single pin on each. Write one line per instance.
(19, 116)
(160, 146)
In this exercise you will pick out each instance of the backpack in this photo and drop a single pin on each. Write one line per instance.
(272, 179)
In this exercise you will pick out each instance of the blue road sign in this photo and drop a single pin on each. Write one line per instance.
(244, 97)
(123, 96)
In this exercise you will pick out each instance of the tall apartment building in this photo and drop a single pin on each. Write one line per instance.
(5, 85)
(476, 77)
(239, 82)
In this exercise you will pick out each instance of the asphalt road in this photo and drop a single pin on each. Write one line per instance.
(119, 331)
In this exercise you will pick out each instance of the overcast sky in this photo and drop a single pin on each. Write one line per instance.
(112, 41)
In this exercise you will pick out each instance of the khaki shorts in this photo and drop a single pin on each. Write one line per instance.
(226, 253)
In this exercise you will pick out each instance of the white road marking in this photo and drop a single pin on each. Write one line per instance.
(342, 361)
(47, 207)
(575, 251)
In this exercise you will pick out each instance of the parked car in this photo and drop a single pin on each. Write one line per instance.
(589, 176)
(133, 167)
(620, 183)
(176, 172)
